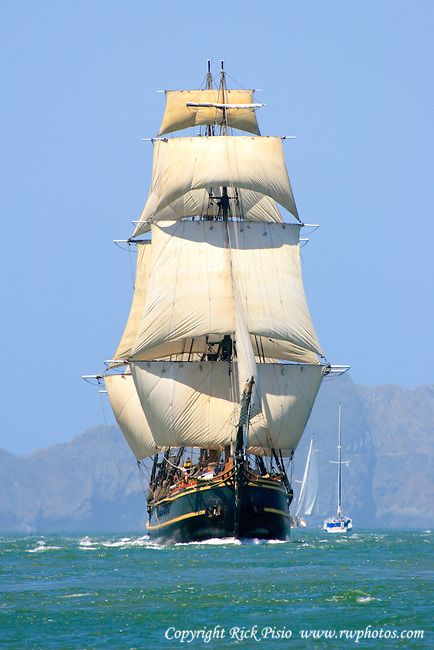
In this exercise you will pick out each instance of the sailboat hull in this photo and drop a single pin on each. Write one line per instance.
(209, 511)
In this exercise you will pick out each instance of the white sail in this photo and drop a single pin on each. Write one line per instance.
(309, 487)
(129, 414)
(142, 273)
(184, 164)
(251, 206)
(180, 112)
(191, 260)
(191, 349)
(197, 404)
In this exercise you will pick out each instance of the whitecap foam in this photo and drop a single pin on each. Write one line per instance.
(42, 547)
(127, 542)
(76, 595)
(214, 541)
(365, 599)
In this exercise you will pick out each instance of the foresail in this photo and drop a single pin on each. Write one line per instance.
(180, 112)
(184, 164)
(309, 487)
(197, 404)
(129, 414)
(266, 262)
(142, 273)
(245, 204)
(288, 392)
(188, 404)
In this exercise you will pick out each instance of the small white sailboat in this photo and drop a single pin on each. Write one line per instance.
(340, 523)
(308, 496)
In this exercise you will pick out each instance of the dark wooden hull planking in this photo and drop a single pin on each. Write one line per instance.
(208, 511)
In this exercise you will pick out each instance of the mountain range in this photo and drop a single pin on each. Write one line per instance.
(93, 484)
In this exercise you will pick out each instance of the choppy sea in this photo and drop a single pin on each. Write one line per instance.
(371, 589)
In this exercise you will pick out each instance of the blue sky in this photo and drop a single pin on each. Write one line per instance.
(354, 83)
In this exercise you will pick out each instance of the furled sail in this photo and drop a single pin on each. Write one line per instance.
(184, 164)
(129, 414)
(181, 113)
(247, 204)
(266, 264)
(142, 273)
(309, 487)
(196, 404)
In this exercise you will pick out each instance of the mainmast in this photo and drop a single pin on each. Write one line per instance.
(210, 127)
(224, 200)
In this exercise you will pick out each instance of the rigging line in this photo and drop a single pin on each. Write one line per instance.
(173, 465)
(235, 81)
(103, 410)
(133, 278)
(257, 438)
(141, 475)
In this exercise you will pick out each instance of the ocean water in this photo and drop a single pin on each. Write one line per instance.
(114, 591)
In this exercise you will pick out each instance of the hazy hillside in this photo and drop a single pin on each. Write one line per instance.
(89, 483)
(92, 482)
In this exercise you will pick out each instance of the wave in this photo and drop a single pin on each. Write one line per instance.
(88, 544)
(41, 546)
(225, 541)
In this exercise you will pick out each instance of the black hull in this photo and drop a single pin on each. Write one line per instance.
(209, 511)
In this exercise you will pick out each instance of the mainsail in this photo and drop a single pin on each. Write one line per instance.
(307, 499)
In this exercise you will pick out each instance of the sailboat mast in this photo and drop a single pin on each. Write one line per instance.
(339, 463)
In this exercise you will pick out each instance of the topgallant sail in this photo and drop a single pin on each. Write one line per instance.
(219, 365)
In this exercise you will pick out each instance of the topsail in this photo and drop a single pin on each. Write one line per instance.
(185, 108)
(181, 165)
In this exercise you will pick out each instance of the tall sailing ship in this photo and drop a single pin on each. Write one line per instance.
(219, 365)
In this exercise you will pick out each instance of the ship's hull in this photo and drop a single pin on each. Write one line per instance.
(210, 511)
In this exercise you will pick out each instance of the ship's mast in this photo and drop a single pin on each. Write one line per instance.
(224, 200)
(210, 128)
(339, 463)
